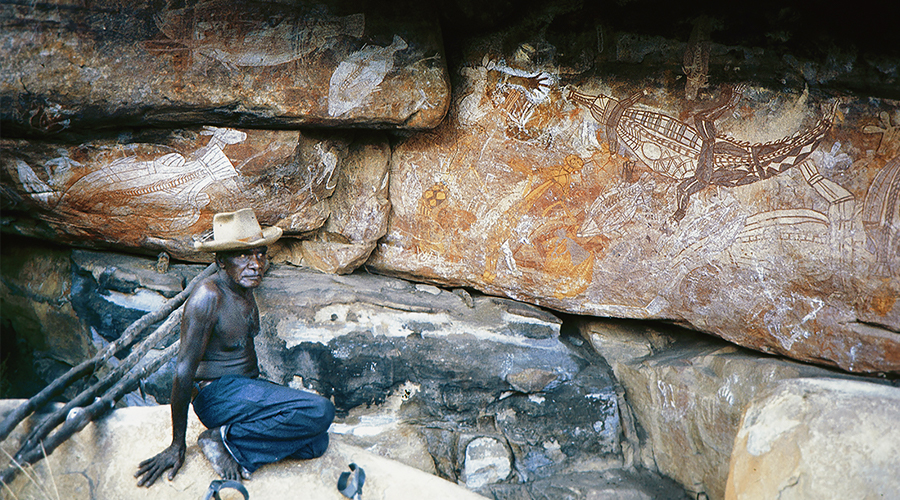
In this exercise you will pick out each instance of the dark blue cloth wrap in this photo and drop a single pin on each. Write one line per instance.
(265, 422)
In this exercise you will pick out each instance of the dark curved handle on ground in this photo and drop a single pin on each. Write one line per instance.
(350, 483)
(220, 484)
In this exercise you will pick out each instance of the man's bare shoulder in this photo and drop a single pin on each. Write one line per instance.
(206, 294)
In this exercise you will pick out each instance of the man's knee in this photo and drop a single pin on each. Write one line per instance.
(325, 412)
(313, 416)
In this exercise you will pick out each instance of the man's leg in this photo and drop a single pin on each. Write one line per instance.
(265, 422)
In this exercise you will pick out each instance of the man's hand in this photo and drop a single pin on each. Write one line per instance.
(151, 469)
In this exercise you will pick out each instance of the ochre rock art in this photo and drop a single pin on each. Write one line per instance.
(881, 219)
(643, 207)
(170, 185)
(360, 75)
(216, 62)
(697, 155)
(251, 33)
(160, 195)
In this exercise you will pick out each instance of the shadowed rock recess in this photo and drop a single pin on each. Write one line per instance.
(539, 249)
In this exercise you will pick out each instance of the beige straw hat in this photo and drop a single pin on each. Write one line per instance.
(238, 231)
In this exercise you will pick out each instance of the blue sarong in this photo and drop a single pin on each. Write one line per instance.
(265, 422)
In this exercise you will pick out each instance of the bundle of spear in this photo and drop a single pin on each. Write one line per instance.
(95, 401)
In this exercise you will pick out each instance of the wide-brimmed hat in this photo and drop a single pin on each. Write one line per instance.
(238, 231)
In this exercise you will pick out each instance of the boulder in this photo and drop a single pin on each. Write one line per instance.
(487, 461)
(598, 196)
(818, 438)
(260, 64)
(687, 393)
(358, 212)
(100, 462)
(153, 191)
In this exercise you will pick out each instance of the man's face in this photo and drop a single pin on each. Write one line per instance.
(245, 267)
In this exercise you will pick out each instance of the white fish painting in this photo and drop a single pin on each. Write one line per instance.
(170, 185)
(360, 75)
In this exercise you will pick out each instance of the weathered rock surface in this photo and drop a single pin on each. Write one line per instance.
(615, 484)
(358, 212)
(599, 196)
(36, 302)
(818, 439)
(158, 191)
(725, 187)
(261, 64)
(450, 367)
(41, 335)
(472, 367)
(687, 394)
(100, 462)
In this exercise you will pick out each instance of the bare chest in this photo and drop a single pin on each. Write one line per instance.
(236, 326)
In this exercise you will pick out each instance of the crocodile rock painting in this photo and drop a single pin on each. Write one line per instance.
(698, 155)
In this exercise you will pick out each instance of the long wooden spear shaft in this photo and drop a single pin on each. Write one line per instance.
(163, 332)
(88, 367)
(91, 413)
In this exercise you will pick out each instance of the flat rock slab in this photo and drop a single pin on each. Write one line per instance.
(272, 64)
(100, 462)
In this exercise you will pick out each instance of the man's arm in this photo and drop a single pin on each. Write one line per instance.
(197, 324)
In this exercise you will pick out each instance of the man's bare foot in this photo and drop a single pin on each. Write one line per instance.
(222, 462)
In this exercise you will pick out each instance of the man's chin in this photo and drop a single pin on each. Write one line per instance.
(251, 282)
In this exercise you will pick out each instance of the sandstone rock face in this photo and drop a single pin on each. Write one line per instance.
(737, 190)
(272, 64)
(443, 368)
(768, 218)
(158, 191)
(472, 367)
(688, 395)
(357, 212)
(100, 462)
(43, 334)
(818, 439)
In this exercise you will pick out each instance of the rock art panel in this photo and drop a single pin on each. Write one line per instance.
(159, 190)
(753, 214)
(217, 62)
(357, 211)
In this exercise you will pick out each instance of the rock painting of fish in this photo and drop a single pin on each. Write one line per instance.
(170, 187)
(247, 34)
(360, 75)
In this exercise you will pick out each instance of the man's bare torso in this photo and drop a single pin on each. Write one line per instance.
(230, 350)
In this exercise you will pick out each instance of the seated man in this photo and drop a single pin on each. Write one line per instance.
(251, 422)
